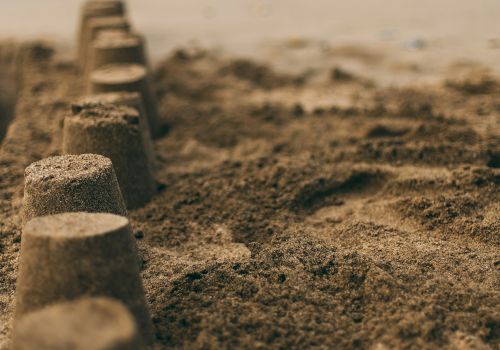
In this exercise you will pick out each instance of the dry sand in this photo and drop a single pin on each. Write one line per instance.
(84, 324)
(310, 206)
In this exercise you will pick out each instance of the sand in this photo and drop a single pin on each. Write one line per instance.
(84, 324)
(71, 183)
(88, 255)
(117, 132)
(300, 209)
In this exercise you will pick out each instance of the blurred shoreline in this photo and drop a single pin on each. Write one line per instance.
(432, 33)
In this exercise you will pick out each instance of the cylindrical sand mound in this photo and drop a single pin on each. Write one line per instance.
(68, 256)
(84, 324)
(128, 99)
(115, 46)
(114, 132)
(131, 78)
(96, 26)
(95, 9)
(69, 184)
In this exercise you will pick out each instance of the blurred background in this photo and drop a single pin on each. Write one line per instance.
(238, 24)
(430, 32)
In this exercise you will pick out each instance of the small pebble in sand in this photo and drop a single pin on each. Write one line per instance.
(84, 324)
(416, 44)
(71, 183)
(71, 255)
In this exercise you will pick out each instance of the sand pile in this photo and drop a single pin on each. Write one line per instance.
(369, 220)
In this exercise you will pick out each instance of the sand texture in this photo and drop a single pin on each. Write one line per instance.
(114, 132)
(304, 209)
(88, 254)
(127, 77)
(71, 183)
(84, 324)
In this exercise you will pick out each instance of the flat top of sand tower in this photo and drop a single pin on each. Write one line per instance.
(67, 168)
(118, 74)
(88, 323)
(75, 225)
(106, 113)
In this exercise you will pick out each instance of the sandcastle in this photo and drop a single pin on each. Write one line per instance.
(91, 10)
(93, 28)
(71, 183)
(129, 99)
(117, 46)
(115, 132)
(68, 256)
(127, 77)
(84, 324)
(77, 247)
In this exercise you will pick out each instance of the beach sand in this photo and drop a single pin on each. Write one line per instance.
(314, 192)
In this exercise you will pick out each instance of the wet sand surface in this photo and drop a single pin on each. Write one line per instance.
(315, 195)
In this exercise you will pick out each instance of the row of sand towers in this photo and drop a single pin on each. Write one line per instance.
(79, 283)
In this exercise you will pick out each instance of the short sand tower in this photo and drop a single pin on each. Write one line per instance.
(95, 9)
(117, 46)
(69, 184)
(131, 78)
(128, 99)
(68, 256)
(96, 26)
(84, 324)
(114, 132)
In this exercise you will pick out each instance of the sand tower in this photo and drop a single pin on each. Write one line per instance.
(95, 9)
(117, 46)
(71, 183)
(96, 26)
(129, 99)
(130, 78)
(68, 256)
(84, 324)
(114, 132)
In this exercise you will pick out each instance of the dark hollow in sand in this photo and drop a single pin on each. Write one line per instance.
(72, 183)
(94, 27)
(67, 256)
(114, 132)
(95, 9)
(84, 324)
(131, 78)
(128, 99)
